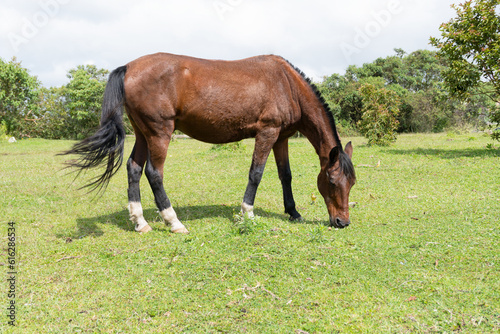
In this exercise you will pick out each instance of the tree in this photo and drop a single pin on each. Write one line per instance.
(405, 74)
(429, 113)
(380, 109)
(422, 71)
(52, 119)
(83, 98)
(417, 79)
(391, 69)
(18, 95)
(419, 70)
(470, 46)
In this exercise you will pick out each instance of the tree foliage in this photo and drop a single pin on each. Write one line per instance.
(52, 120)
(18, 95)
(380, 109)
(71, 111)
(417, 80)
(83, 98)
(470, 46)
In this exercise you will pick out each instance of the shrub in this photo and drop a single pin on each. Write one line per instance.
(380, 109)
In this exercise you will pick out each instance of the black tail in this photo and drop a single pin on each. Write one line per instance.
(105, 147)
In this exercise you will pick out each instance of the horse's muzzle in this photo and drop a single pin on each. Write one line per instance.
(339, 223)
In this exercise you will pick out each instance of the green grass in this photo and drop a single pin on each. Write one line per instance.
(422, 253)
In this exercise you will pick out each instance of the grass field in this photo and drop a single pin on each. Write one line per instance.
(421, 256)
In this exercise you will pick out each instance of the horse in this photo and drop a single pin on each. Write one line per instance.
(215, 101)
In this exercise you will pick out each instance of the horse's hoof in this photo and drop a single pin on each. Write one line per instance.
(145, 229)
(298, 219)
(181, 230)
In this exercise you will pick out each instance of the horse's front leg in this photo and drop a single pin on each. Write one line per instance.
(280, 150)
(264, 142)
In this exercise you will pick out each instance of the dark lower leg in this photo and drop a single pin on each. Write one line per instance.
(254, 178)
(155, 178)
(285, 174)
(156, 182)
(263, 144)
(134, 172)
(135, 166)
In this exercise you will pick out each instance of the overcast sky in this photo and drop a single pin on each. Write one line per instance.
(320, 37)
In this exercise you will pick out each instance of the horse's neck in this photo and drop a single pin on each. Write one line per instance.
(315, 124)
(319, 132)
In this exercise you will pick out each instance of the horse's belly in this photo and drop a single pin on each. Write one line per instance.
(216, 129)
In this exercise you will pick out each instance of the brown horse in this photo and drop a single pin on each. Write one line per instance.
(215, 101)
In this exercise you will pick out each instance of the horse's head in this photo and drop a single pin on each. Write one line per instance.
(334, 183)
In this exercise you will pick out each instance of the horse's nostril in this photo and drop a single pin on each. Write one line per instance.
(341, 224)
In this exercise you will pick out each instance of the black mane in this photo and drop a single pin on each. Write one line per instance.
(345, 162)
(321, 99)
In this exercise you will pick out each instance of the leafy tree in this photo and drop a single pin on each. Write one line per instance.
(422, 71)
(419, 70)
(52, 119)
(470, 46)
(351, 106)
(380, 108)
(56, 117)
(429, 114)
(390, 69)
(83, 98)
(417, 79)
(18, 95)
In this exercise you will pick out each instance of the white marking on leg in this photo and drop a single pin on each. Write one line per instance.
(135, 210)
(170, 218)
(247, 209)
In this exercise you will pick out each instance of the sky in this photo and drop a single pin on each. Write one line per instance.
(321, 37)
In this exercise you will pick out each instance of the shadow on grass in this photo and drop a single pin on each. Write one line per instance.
(228, 212)
(224, 211)
(448, 154)
(91, 226)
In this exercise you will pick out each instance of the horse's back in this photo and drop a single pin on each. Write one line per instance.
(211, 100)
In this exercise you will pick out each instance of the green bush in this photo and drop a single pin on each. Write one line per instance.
(380, 109)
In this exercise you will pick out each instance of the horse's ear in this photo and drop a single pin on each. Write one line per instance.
(348, 149)
(334, 155)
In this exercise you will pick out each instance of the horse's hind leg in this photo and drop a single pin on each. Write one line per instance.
(135, 165)
(285, 174)
(154, 172)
